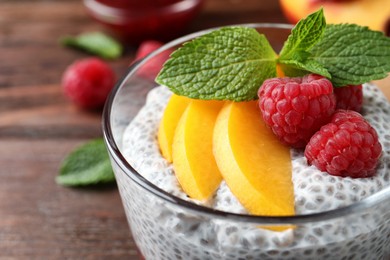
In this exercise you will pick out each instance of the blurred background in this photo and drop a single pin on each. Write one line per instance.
(30, 30)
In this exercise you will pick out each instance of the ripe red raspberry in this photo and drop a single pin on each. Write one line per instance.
(348, 146)
(151, 68)
(295, 108)
(88, 82)
(146, 48)
(349, 97)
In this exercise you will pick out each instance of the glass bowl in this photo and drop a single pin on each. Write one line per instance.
(167, 227)
(133, 21)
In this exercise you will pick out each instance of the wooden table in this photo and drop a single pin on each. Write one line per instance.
(39, 127)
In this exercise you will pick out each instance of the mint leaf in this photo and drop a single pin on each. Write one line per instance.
(353, 54)
(304, 35)
(295, 52)
(295, 68)
(227, 64)
(96, 43)
(87, 165)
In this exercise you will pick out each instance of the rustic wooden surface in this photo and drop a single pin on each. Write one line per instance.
(38, 127)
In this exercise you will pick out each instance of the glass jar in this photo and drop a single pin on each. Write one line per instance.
(167, 227)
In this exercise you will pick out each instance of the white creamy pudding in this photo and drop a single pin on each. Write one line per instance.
(315, 191)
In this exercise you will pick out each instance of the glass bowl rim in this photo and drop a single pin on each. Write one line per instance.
(108, 11)
(116, 155)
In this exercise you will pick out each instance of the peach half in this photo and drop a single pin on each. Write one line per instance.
(372, 13)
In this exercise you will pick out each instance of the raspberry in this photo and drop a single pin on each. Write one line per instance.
(295, 108)
(88, 82)
(348, 146)
(150, 69)
(147, 47)
(349, 97)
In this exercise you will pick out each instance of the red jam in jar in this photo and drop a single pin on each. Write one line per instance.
(136, 20)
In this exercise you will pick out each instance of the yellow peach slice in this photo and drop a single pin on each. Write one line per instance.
(192, 152)
(172, 114)
(252, 161)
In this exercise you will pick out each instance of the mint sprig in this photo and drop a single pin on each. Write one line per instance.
(89, 164)
(303, 36)
(295, 54)
(230, 63)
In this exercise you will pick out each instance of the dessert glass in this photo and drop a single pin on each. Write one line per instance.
(167, 227)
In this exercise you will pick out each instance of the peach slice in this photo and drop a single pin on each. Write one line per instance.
(172, 114)
(374, 14)
(192, 152)
(255, 165)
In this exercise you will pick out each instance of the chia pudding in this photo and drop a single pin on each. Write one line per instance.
(165, 230)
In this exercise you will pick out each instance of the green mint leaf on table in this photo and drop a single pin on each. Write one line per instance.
(95, 43)
(87, 165)
(353, 54)
(227, 64)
